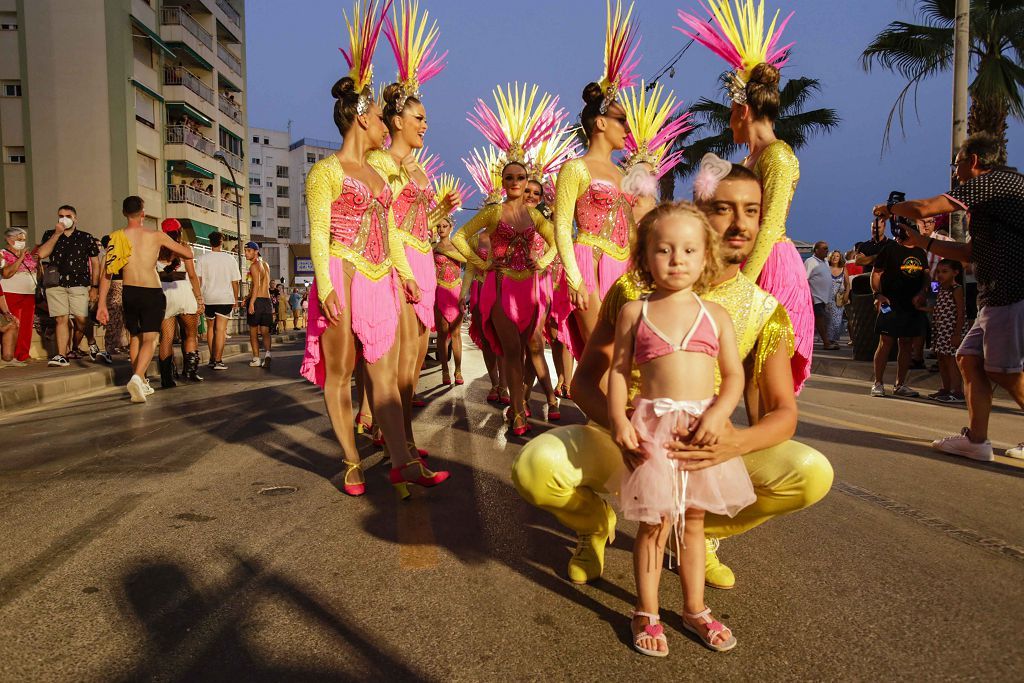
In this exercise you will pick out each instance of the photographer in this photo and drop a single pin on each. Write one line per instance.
(993, 350)
(867, 252)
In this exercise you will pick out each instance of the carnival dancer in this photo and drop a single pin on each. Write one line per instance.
(754, 53)
(184, 304)
(361, 273)
(565, 470)
(590, 188)
(674, 338)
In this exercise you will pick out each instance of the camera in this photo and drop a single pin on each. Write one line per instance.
(897, 224)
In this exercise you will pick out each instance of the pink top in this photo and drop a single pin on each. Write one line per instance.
(414, 199)
(601, 203)
(446, 269)
(651, 343)
(512, 248)
(359, 220)
(28, 265)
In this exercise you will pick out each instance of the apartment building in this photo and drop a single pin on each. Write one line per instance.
(302, 154)
(100, 99)
(270, 198)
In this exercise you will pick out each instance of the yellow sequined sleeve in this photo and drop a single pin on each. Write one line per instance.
(485, 219)
(573, 180)
(779, 172)
(547, 231)
(625, 289)
(396, 246)
(323, 186)
(777, 330)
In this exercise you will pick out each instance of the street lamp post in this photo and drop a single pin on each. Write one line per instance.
(238, 203)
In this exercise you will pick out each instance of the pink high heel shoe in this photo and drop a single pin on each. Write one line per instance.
(401, 483)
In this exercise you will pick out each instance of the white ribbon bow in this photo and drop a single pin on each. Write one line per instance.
(664, 406)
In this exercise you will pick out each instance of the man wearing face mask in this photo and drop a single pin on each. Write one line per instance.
(75, 255)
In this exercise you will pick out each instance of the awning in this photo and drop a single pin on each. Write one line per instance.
(192, 112)
(191, 54)
(200, 232)
(227, 84)
(225, 130)
(179, 165)
(255, 199)
(152, 93)
(154, 37)
(224, 182)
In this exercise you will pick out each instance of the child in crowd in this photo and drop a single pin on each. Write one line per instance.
(948, 328)
(674, 338)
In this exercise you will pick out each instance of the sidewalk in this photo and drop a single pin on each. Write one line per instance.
(38, 384)
(840, 363)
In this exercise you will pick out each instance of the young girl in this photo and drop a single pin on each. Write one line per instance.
(673, 337)
(949, 316)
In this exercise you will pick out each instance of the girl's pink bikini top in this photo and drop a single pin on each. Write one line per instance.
(651, 343)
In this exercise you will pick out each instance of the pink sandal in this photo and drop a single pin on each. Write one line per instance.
(652, 630)
(715, 628)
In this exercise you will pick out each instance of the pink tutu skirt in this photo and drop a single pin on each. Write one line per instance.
(476, 326)
(657, 490)
(425, 273)
(520, 301)
(785, 278)
(447, 301)
(375, 307)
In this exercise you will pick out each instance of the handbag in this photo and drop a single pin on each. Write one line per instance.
(842, 298)
(49, 275)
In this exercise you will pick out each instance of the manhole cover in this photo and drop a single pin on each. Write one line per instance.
(277, 490)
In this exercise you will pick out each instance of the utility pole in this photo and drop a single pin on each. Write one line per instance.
(961, 68)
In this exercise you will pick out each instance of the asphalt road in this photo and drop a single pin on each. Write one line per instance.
(141, 543)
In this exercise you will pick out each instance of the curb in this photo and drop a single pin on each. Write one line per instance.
(863, 371)
(54, 389)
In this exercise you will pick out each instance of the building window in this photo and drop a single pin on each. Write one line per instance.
(145, 109)
(310, 158)
(17, 219)
(282, 191)
(147, 171)
(8, 21)
(143, 51)
(321, 157)
(254, 180)
(257, 225)
(231, 143)
(12, 88)
(282, 212)
(256, 139)
(256, 161)
(282, 171)
(14, 155)
(266, 141)
(270, 183)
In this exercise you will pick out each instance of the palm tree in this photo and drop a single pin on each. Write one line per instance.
(917, 51)
(794, 125)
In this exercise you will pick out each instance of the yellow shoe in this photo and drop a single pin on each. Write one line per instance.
(587, 561)
(716, 574)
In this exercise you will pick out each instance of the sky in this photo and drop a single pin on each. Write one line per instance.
(293, 60)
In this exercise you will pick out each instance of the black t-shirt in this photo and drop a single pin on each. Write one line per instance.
(71, 256)
(904, 273)
(995, 201)
(871, 248)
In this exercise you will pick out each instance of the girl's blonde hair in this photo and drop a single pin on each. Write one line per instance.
(712, 241)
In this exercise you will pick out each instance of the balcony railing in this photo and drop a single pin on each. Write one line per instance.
(228, 207)
(226, 56)
(179, 75)
(182, 135)
(283, 231)
(231, 109)
(234, 161)
(232, 13)
(183, 194)
(177, 16)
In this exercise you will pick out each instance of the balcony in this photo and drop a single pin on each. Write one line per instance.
(226, 56)
(234, 161)
(182, 135)
(231, 13)
(232, 110)
(183, 194)
(177, 16)
(229, 208)
(179, 75)
(283, 232)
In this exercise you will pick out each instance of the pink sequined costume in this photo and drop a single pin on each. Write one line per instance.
(477, 278)
(448, 272)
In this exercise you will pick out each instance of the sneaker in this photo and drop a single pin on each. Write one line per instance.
(939, 395)
(93, 351)
(255, 363)
(716, 574)
(147, 387)
(137, 389)
(946, 398)
(961, 445)
(1017, 452)
(105, 357)
(15, 363)
(587, 561)
(220, 365)
(958, 398)
(877, 389)
(904, 391)
(58, 361)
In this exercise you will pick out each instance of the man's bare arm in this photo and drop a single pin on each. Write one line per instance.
(182, 250)
(590, 381)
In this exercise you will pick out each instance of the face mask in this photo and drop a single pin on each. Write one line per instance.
(19, 245)
(68, 221)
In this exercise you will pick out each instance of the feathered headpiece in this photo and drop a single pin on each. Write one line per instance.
(430, 163)
(413, 41)
(363, 34)
(620, 61)
(521, 122)
(485, 170)
(713, 170)
(544, 160)
(650, 138)
(740, 39)
(447, 184)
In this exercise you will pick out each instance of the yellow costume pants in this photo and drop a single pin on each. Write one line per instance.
(564, 470)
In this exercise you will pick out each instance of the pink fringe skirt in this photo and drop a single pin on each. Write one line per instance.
(425, 274)
(447, 301)
(375, 307)
(520, 301)
(658, 490)
(476, 326)
(600, 280)
(785, 278)
(561, 308)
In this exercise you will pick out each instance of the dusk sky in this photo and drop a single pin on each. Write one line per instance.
(293, 60)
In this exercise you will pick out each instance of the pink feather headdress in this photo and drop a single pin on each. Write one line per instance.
(413, 41)
(520, 123)
(363, 33)
(652, 130)
(621, 42)
(485, 169)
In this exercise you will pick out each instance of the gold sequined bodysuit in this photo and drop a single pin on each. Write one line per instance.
(779, 172)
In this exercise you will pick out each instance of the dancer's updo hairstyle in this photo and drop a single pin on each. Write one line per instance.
(392, 94)
(763, 92)
(347, 99)
(593, 97)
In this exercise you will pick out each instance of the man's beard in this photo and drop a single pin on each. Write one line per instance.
(733, 256)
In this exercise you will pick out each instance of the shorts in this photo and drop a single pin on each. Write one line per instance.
(213, 310)
(63, 301)
(820, 309)
(143, 308)
(262, 315)
(998, 337)
(902, 324)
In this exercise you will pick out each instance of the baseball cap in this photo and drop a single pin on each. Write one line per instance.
(252, 245)
(170, 225)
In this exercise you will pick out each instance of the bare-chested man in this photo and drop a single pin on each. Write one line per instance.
(133, 252)
(261, 312)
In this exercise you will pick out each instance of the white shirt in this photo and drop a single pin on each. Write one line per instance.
(217, 270)
(819, 278)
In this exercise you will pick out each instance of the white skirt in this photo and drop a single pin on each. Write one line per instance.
(180, 299)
